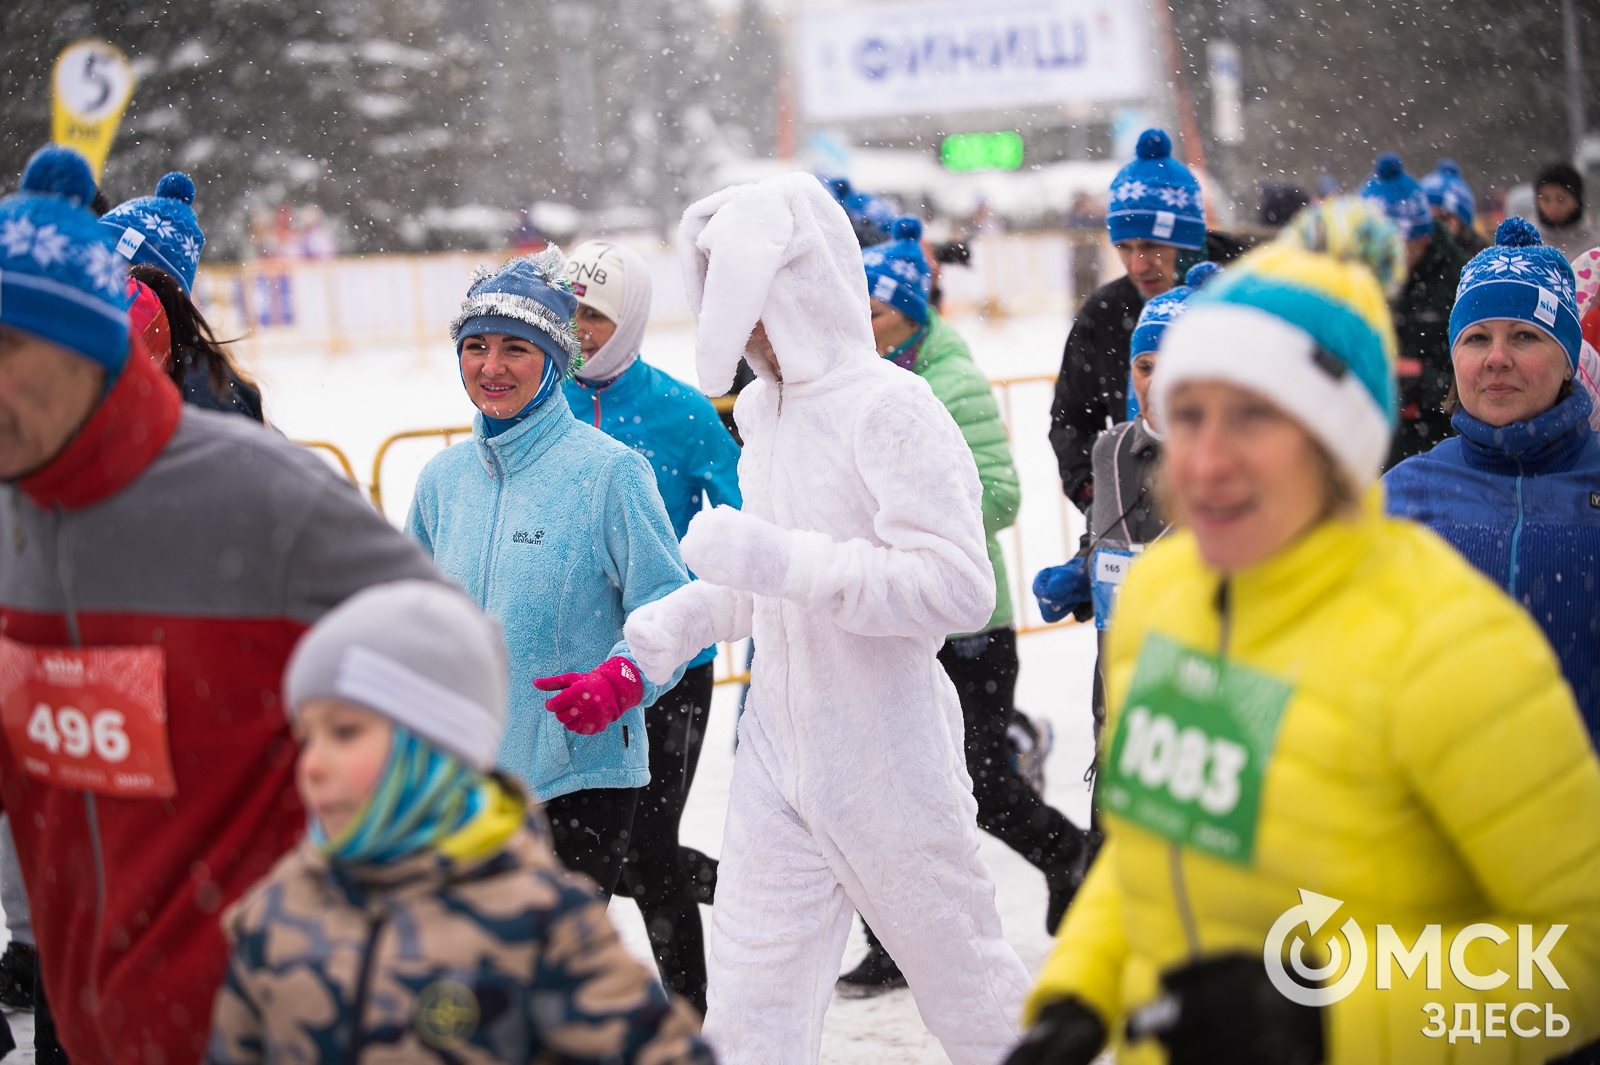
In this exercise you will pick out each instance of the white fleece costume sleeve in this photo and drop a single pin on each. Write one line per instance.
(860, 546)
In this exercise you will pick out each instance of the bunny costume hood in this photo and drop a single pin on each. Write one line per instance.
(859, 549)
(783, 262)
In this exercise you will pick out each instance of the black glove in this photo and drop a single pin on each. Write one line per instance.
(1066, 1033)
(1587, 1055)
(1224, 1011)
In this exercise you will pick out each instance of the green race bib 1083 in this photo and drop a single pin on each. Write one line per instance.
(1193, 743)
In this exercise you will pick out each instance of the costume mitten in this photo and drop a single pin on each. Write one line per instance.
(665, 634)
(728, 546)
(1064, 589)
(588, 702)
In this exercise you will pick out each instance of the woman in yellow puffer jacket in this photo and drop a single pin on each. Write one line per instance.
(1326, 729)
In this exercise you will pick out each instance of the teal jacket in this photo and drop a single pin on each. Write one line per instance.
(558, 532)
(678, 432)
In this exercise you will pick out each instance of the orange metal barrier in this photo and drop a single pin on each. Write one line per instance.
(1022, 590)
(337, 452)
(410, 434)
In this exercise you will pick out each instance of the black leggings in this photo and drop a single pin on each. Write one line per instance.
(656, 874)
(592, 831)
(984, 671)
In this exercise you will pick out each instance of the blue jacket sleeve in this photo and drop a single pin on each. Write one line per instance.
(640, 553)
(716, 458)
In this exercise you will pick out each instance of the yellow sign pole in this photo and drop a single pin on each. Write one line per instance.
(91, 86)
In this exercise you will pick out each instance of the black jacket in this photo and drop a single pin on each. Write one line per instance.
(1422, 326)
(1092, 388)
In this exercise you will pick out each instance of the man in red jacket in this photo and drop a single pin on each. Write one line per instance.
(157, 564)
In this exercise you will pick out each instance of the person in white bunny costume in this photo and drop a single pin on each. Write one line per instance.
(859, 548)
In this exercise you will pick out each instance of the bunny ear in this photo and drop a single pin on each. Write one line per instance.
(692, 260)
(746, 242)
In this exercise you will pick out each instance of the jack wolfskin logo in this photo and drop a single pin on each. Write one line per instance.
(520, 537)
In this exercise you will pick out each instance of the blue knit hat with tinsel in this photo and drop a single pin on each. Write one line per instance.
(897, 272)
(529, 297)
(1401, 196)
(1156, 198)
(160, 230)
(1161, 311)
(59, 277)
(1520, 279)
(1445, 189)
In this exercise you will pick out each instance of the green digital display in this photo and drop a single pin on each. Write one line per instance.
(962, 152)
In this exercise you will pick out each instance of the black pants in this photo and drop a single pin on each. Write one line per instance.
(984, 671)
(46, 1047)
(593, 830)
(656, 874)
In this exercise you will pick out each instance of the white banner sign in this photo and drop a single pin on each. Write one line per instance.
(920, 58)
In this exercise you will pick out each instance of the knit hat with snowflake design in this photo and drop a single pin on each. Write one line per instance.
(1155, 197)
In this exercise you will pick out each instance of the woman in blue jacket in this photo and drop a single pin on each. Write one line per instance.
(558, 532)
(1518, 491)
(693, 458)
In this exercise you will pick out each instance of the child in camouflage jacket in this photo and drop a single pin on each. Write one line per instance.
(425, 918)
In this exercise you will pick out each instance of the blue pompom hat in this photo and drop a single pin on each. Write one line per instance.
(897, 272)
(1446, 189)
(59, 277)
(865, 208)
(1400, 196)
(1161, 311)
(1521, 279)
(529, 297)
(160, 230)
(1155, 197)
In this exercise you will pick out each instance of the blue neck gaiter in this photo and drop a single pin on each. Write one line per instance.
(423, 796)
(548, 384)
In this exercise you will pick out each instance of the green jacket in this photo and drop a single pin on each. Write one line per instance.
(946, 364)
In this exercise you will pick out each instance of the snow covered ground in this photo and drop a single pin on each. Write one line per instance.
(358, 398)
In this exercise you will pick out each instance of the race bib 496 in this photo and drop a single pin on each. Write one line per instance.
(1193, 743)
(93, 718)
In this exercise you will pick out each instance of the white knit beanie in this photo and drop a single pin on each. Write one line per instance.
(421, 654)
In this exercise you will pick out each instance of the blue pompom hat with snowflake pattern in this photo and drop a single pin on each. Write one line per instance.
(1161, 311)
(1520, 279)
(897, 272)
(1401, 196)
(160, 230)
(59, 277)
(1155, 197)
(1446, 189)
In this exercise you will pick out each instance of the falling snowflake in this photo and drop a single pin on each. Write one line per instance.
(1130, 190)
(104, 267)
(49, 246)
(16, 235)
(1174, 197)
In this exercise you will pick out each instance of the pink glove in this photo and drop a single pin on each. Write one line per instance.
(589, 702)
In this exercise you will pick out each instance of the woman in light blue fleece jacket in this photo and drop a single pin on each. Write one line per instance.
(558, 531)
